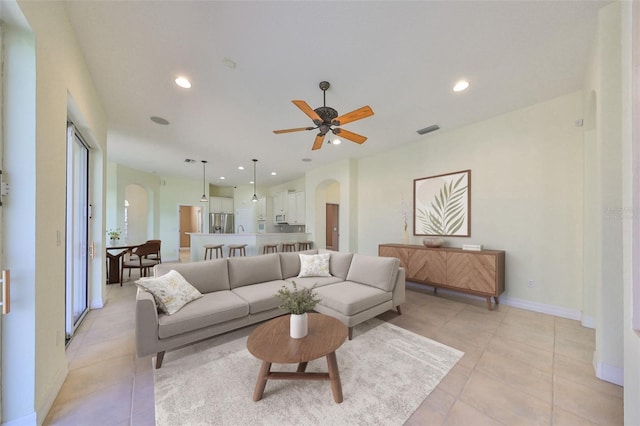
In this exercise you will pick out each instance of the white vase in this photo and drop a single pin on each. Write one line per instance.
(113, 242)
(298, 326)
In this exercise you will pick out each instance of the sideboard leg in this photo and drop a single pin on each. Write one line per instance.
(496, 299)
(489, 302)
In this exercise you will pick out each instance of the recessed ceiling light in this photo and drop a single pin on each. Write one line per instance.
(250, 182)
(222, 178)
(159, 120)
(240, 168)
(336, 141)
(460, 86)
(273, 173)
(183, 82)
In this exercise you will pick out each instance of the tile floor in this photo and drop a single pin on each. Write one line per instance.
(519, 367)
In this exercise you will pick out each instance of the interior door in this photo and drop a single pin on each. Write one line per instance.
(333, 227)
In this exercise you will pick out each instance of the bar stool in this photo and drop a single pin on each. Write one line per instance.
(209, 249)
(240, 248)
(270, 248)
(288, 247)
(305, 245)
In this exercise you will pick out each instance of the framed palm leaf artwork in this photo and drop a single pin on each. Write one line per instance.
(442, 205)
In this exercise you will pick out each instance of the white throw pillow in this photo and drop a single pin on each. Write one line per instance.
(171, 291)
(314, 265)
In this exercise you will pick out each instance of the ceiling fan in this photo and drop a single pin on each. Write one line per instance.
(326, 119)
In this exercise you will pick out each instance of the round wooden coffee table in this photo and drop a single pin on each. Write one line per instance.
(270, 342)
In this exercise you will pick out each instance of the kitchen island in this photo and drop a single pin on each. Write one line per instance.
(254, 242)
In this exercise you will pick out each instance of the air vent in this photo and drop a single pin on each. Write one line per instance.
(429, 129)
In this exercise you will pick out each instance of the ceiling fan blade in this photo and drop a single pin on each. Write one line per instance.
(317, 144)
(357, 114)
(299, 129)
(309, 111)
(353, 137)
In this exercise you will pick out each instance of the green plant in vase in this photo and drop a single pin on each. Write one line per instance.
(114, 235)
(298, 302)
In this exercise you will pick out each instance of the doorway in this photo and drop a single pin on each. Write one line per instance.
(190, 221)
(333, 227)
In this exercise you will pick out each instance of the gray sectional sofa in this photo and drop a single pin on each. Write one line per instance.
(240, 291)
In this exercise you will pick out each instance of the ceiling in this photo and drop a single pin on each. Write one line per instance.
(401, 58)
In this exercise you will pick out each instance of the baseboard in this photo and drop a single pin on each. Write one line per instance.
(609, 373)
(589, 322)
(97, 303)
(28, 420)
(542, 308)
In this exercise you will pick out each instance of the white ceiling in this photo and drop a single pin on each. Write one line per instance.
(401, 58)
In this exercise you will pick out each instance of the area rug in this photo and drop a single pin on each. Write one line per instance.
(386, 373)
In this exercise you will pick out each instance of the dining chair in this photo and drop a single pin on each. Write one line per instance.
(141, 261)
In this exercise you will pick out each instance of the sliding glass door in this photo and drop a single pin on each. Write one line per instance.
(77, 231)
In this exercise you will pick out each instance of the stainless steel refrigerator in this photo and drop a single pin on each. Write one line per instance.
(221, 223)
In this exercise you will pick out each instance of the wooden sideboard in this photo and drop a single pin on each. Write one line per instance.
(474, 272)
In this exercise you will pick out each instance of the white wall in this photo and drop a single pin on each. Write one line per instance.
(526, 195)
(603, 202)
(35, 369)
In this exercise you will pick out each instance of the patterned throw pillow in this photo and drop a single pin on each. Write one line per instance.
(171, 291)
(314, 265)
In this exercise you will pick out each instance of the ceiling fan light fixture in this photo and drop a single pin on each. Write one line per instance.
(336, 141)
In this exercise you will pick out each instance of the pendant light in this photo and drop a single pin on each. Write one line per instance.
(203, 199)
(255, 197)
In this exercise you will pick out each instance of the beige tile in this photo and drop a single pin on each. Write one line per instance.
(530, 320)
(462, 414)
(583, 373)
(455, 380)
(503, 402)
(536, 383)
(103, 351)
(576, 350)
(433, 409)
(526, 355)
(110, 405)
(529, 336)
(144, 418)
(94, 378)
(587, 402)
(564, 418)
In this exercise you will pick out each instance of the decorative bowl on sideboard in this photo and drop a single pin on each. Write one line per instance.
(433, 242)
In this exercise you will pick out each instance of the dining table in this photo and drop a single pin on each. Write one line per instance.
(114, 257)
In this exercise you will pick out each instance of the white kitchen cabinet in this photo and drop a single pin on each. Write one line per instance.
(301, 207)
(279, 204)
(296, 208)
(221, 205)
